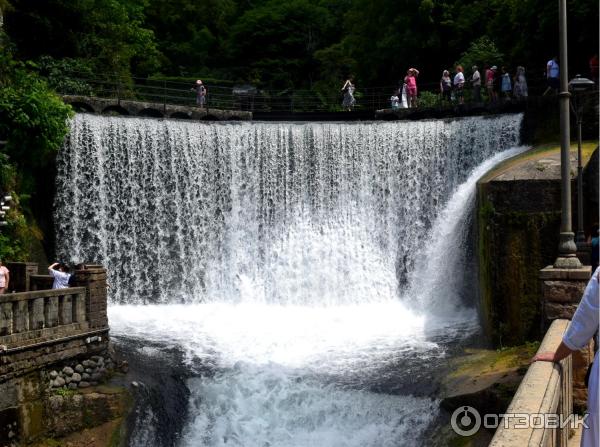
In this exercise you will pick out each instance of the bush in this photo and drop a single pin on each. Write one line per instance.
(428, 99)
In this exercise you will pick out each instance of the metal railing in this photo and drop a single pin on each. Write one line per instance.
(166, 92)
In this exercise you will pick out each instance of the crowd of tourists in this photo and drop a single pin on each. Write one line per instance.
(499, 84)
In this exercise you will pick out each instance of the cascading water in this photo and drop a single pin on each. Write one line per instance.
(286, 261)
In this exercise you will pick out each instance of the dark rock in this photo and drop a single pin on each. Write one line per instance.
(72, 386)
(68, 371)
(84, 384)
(53, 375)
(79, 369)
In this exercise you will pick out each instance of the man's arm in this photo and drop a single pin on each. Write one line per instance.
(562, 352)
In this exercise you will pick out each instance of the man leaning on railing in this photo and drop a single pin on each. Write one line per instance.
(582, 328)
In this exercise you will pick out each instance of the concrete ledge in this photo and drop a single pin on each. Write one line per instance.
(551, 273)
(545, 389)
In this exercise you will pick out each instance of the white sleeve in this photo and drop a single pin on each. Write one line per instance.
(585, 321)
(52, 272)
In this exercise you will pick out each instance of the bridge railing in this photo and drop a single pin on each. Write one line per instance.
(38, 314)
(543, 397)
(255, 100)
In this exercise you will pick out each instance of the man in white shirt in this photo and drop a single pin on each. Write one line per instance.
(61, 277)
(582, 328)
(459, 83)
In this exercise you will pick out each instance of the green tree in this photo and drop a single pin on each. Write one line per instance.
(278, 40)
(482, 51)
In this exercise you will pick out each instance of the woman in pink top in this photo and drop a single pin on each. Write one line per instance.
(4, 278)
(490, 74)
(411, 85)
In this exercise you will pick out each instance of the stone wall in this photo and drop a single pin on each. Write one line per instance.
(50, 341)
(518, 225)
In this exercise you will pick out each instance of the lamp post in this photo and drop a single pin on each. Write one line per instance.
(577, 86)
(567, 250)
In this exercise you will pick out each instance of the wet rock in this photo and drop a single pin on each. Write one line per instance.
(89, 370)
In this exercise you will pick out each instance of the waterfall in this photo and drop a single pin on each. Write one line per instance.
(315, 214)
(294, 270)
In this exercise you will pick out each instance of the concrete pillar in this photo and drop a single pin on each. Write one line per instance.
(51, 311)
(36, 314)
(21, 316)
(562, 290)
(20, 274)
(93, 278)
(65, 309)
(6, 318)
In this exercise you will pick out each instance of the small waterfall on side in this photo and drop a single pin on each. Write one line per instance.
(281, 267)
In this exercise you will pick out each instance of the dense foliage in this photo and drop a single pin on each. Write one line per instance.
(33, 123)
(299, 43)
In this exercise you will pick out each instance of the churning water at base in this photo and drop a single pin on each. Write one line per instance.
(311, 259)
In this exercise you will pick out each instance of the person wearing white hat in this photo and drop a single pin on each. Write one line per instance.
(200, 93)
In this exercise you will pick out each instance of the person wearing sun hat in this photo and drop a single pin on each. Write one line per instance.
(200, 93)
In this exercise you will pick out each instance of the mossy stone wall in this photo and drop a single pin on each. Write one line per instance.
(518, 227)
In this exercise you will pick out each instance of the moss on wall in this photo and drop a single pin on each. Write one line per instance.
(512, 247)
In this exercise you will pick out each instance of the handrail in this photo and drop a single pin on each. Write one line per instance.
(31, 295)
(546, 389)
(23, 315)
(224, 97)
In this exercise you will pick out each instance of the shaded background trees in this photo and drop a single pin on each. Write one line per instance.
(297, 43)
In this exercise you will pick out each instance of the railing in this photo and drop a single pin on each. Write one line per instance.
(229, 98)
(39, 314)
(545, 390)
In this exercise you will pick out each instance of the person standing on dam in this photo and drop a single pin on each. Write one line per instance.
(582, 328)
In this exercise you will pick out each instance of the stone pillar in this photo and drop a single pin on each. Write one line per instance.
(93, 278)
(20, 273)
(562, 290)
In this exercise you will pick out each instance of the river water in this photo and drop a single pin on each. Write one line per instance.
(304, 281)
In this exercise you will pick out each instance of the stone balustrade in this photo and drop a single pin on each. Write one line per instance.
(546, 390)
(38, 314)
(42, 327)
